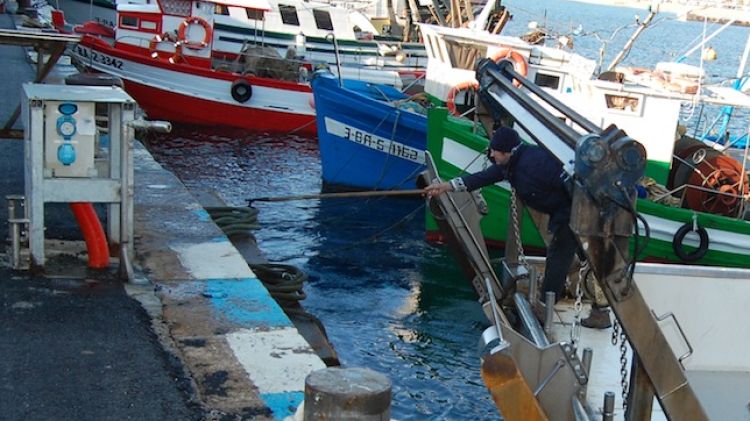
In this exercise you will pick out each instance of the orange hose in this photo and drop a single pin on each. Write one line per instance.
(93, 234)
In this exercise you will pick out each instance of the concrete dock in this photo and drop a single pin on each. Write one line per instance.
(197, 337)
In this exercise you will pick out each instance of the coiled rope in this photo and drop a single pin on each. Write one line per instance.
(234, 220)
(284, 282)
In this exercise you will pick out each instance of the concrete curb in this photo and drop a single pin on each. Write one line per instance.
(243, 352)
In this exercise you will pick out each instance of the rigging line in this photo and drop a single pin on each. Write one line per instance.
(387, 153)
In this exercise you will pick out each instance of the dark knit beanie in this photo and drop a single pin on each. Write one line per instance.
(504, 139)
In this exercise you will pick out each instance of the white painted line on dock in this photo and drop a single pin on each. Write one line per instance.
(277, 361)
(211, 260)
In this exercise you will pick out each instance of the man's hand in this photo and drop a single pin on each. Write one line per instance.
(437, 188)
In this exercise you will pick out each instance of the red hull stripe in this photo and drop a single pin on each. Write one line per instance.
(164, 105)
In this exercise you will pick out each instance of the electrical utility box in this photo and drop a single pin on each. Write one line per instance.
(78, 148)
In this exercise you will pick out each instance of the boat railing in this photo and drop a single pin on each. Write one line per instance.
(266, 62)
(680, 191)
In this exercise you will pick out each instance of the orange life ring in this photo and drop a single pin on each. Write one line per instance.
(194, 45)
(450, 101)
(519, 63)
(156, 40)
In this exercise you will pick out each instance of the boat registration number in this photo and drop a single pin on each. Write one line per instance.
(98, 57)
(373, 141)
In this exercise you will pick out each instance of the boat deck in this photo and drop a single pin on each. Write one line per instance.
(605, 364)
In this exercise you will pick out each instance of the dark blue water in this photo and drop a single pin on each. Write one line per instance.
(390, 301)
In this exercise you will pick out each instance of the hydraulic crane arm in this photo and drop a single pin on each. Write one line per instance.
(604, 166)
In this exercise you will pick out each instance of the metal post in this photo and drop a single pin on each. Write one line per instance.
(549, 310)
(336, 393)
(588, 355)
(34, 152)
(15, 227)
(533, 287)
(608, 412)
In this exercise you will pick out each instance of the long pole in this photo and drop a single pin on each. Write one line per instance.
(375, 193)
(631, 40)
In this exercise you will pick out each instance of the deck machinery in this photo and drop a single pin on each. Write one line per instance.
(529, 377)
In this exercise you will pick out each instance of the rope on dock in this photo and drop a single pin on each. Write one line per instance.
(235, 220)
(284, 282)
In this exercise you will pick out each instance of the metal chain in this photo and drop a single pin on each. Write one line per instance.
(517, 228)
(618, 335)
(615, 332)
(575, 330)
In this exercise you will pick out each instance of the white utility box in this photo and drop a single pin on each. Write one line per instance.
(78, 148)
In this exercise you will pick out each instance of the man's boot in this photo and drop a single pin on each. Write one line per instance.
(598, 319)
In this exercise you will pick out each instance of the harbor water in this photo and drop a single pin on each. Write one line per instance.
(390, 301)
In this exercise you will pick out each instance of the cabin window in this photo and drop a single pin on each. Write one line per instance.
(624, 103)
(428, 46)
(176, 7)
(323, 20)
(463, 56)
(437, 50)
(149, 26)
(220, 9)
(254, 14)
(129, 22)
(547, 81)
(289, 15)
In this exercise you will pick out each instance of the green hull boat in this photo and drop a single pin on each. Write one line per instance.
(701, 238)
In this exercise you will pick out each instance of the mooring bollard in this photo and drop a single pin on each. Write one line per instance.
(337, 393)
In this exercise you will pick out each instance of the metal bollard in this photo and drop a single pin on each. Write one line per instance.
(336, 393)
(608, 414)
(588, 355)
(15, 223)
(549, 313)
(533, 287)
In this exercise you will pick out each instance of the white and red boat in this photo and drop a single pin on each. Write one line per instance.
(162, 51)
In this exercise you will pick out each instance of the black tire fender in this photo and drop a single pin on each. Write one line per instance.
(679, 237)
(241, 90)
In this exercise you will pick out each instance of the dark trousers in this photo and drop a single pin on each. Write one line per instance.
(560, 254)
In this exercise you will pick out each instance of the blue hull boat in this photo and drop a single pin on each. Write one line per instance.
(371, 137)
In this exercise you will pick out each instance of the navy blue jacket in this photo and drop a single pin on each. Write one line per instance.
(537, 177)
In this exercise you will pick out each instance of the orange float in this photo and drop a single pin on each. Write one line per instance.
(450, 102)
(194, 45)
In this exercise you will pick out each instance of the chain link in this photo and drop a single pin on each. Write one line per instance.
(618, 335)
(624, 368)
(517, 229)
(575, 330)
(615, 332)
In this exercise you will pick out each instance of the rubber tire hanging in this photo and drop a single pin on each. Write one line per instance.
(679, 237)
(241, 90)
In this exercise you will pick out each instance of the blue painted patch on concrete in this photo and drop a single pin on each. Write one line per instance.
(245, 302)
(283, 404)
(202, 215)
(221, 239)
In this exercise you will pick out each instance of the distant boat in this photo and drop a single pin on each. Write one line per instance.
(166, 64)
(313, 30)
